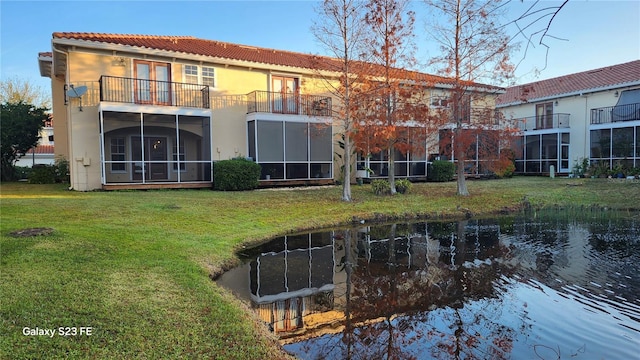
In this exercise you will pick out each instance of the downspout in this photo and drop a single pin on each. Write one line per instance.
(586, 150)
(72, 171)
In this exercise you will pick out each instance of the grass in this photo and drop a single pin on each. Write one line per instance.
(135, 265)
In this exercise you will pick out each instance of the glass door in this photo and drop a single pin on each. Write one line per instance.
(150, 158)
(152, 83)
(143, 82)
(544, 116)
(564, 153)
(162, 84)
(285, 95)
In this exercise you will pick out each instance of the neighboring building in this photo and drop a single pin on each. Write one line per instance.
(142, 111)
(43, 153)
(592, 114)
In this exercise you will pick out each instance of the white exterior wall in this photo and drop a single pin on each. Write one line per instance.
(36, 159)
(28, 160)
(578, 106)
(84, 148)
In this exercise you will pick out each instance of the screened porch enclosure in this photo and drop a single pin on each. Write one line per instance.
(291, 150)
(145, 148)
(537, 153)
(407, 164)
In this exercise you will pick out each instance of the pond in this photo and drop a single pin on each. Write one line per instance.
(526, 287)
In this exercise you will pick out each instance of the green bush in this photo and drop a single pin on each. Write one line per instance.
(22, 172)
(235, 175)
(49, 174)
(43, 174)
(441, 170)
(403, 186)
(62, 170)
(380, 187)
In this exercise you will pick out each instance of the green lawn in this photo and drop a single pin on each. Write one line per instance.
(135, 265)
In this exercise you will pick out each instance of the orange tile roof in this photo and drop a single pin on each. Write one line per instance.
(42, 149)
(602, 78)
(218, 49)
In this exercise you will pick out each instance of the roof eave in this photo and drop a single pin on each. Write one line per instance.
(45, 63)
(186, 56)
(572, 93)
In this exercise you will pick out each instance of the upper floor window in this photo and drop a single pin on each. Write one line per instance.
(196, 74)
(439, 101)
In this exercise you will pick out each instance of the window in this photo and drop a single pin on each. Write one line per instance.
(191, 74)
(178, 155)
(118, 154)
(439, 101)
(208, 76)
(195, 74)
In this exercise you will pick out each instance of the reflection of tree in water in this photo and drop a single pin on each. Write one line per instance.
(447, 290)
(391, 302)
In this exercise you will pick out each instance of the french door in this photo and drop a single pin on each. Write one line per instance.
(152, 83)
(155, 165)
(285, 94)
(544, 115)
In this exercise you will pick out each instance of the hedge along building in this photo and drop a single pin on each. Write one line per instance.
(144, 111)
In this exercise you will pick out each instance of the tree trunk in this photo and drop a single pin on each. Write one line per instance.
(346, 181)
(460, 156)
(392, 170)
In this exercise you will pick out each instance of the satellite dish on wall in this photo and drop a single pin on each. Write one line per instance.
(76, 93)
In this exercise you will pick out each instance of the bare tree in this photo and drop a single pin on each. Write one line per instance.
(474, 47)
(15, 90)
(339, 28)
(389, 43)
(534, 25)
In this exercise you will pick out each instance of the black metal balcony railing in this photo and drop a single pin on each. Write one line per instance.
(628, 112)
(142, 91)
(541, 122)
(288, 103)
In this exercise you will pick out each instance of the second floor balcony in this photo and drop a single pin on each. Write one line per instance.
(609, 114)
(288, 103)
(152, 92)
(542, 122)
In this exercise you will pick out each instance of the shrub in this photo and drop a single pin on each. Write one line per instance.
(381, 187)
(22, 172)
(403, 186)
(50, 174)
(504, 168)
(62, 170)
(43, 174)
(441, 170)
(235, 175)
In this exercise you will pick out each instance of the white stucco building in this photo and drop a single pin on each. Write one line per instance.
(592, 114)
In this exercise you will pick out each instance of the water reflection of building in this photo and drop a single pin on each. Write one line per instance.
(294, 279)
(298, 283)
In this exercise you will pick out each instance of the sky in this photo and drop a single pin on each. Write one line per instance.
(584, 35)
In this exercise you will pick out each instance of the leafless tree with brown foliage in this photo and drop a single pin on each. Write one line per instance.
(340, 29)
(473, 47)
